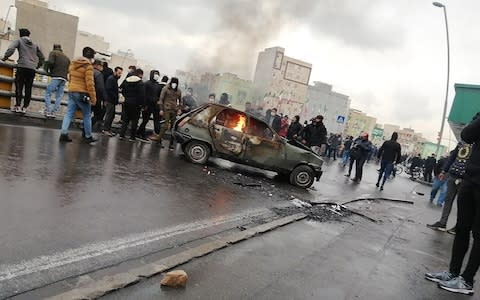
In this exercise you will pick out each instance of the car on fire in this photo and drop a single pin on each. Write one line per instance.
(221, 131)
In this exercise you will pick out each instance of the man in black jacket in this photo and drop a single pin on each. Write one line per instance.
(111, 101)
(274, 120)
(152, 94)
(294, 129)
(468, 222)
(389, 153)
(315, 135)
(133, 90)
(98, 109)
(429, 166)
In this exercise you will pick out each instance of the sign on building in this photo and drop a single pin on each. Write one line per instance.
(340, 119)
(377, 132)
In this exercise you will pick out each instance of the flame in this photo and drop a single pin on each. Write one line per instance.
(242, 122)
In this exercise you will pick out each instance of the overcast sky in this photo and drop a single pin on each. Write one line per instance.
(388, 56)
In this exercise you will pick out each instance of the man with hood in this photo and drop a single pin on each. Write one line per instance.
(133, 90)
(224, 99)
(170, 103)
(111, 87)
(315, 135)
(390, 153)
(81, 94)
(429, 166)
(30, 57)
(57, 68)
(152, 94)
(358, 155)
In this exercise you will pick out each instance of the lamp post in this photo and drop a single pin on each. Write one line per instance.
(440, 134)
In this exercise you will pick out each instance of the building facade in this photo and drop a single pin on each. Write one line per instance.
(47, 26)
(281, 82)
(86, 39)
(333, 106)
(358, 122)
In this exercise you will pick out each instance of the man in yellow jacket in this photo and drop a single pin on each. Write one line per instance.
(81, 94)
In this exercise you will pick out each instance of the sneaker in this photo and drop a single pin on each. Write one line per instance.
(89, 140)
(23, 110)
(155, 138)
(377, 185)
(452, 230)
(441, 276)
(437, 226)
(64, 138)
(347, 175)
(457, 285)
(381, 188)
(122, 137)
(171, 147)
(18, 109)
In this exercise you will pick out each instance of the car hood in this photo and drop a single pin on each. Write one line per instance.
(303, 153)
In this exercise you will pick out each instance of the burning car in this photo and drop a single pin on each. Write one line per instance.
(217, 130)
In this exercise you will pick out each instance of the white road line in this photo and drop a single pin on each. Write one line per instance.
(42, 263)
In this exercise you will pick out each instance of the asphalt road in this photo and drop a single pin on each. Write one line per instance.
(70, 209)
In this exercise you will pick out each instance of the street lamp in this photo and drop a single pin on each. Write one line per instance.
(440, 134)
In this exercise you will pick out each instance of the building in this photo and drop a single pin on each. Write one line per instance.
(333, 106)
(465, 105)
(86, 39)
(47, 26)
(428, 148)
(358, 122)
(239, 90)
(281, 81)
(388, 130)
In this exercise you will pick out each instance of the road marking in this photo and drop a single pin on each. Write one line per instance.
(89, 251)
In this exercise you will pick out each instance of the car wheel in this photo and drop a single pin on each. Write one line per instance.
(302, 176)
(197, 152)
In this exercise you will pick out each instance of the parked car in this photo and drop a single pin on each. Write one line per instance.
(217, 130)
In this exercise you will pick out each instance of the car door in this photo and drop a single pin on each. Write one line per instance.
(264, 147)
(227, 130)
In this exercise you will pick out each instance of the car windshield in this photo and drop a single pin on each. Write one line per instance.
(260, 129)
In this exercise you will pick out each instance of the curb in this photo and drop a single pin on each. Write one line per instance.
(114, 282)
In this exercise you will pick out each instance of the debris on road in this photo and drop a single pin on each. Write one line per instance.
(175, 279)
(248, 184)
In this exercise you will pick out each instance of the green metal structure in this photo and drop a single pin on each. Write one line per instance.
(465, 105)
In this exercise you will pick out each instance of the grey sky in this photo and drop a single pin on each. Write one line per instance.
(389, 56)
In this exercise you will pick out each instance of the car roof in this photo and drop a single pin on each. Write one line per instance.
(237, 110)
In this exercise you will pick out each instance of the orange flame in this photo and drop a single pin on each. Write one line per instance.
(242, 122)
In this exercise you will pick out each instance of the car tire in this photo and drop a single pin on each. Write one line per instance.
(197, 152)
(302, 176)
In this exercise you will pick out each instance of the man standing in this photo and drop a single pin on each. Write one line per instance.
(358, 155)
(468, 222)
(57, 68)
(134, 92)
(224, 99)
(429, 165)
(170, 104)
(389, 153)
(152, 94)
(294, 129)
(111, 101)
(346, 150)
(315, 135)
(455, 168)
(81, 94)
(98, 109)
(274, 120)
(438, 182)
(30, 57)
(189, 102)
(333, 144)
(107, 71)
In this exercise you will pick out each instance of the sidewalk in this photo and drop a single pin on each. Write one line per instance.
(356, 259)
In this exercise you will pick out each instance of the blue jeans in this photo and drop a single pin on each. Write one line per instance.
(346, 156)
(386, 169)
(56, 85)
(75, 103)
(438, 185)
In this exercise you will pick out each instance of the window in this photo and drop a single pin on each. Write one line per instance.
(259, 129)
(232, 119)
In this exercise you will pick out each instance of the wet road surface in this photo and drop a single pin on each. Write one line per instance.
(65, 206)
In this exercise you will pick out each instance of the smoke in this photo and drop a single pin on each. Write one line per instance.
(245, 27)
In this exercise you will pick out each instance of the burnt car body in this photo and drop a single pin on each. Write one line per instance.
(221, 131)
